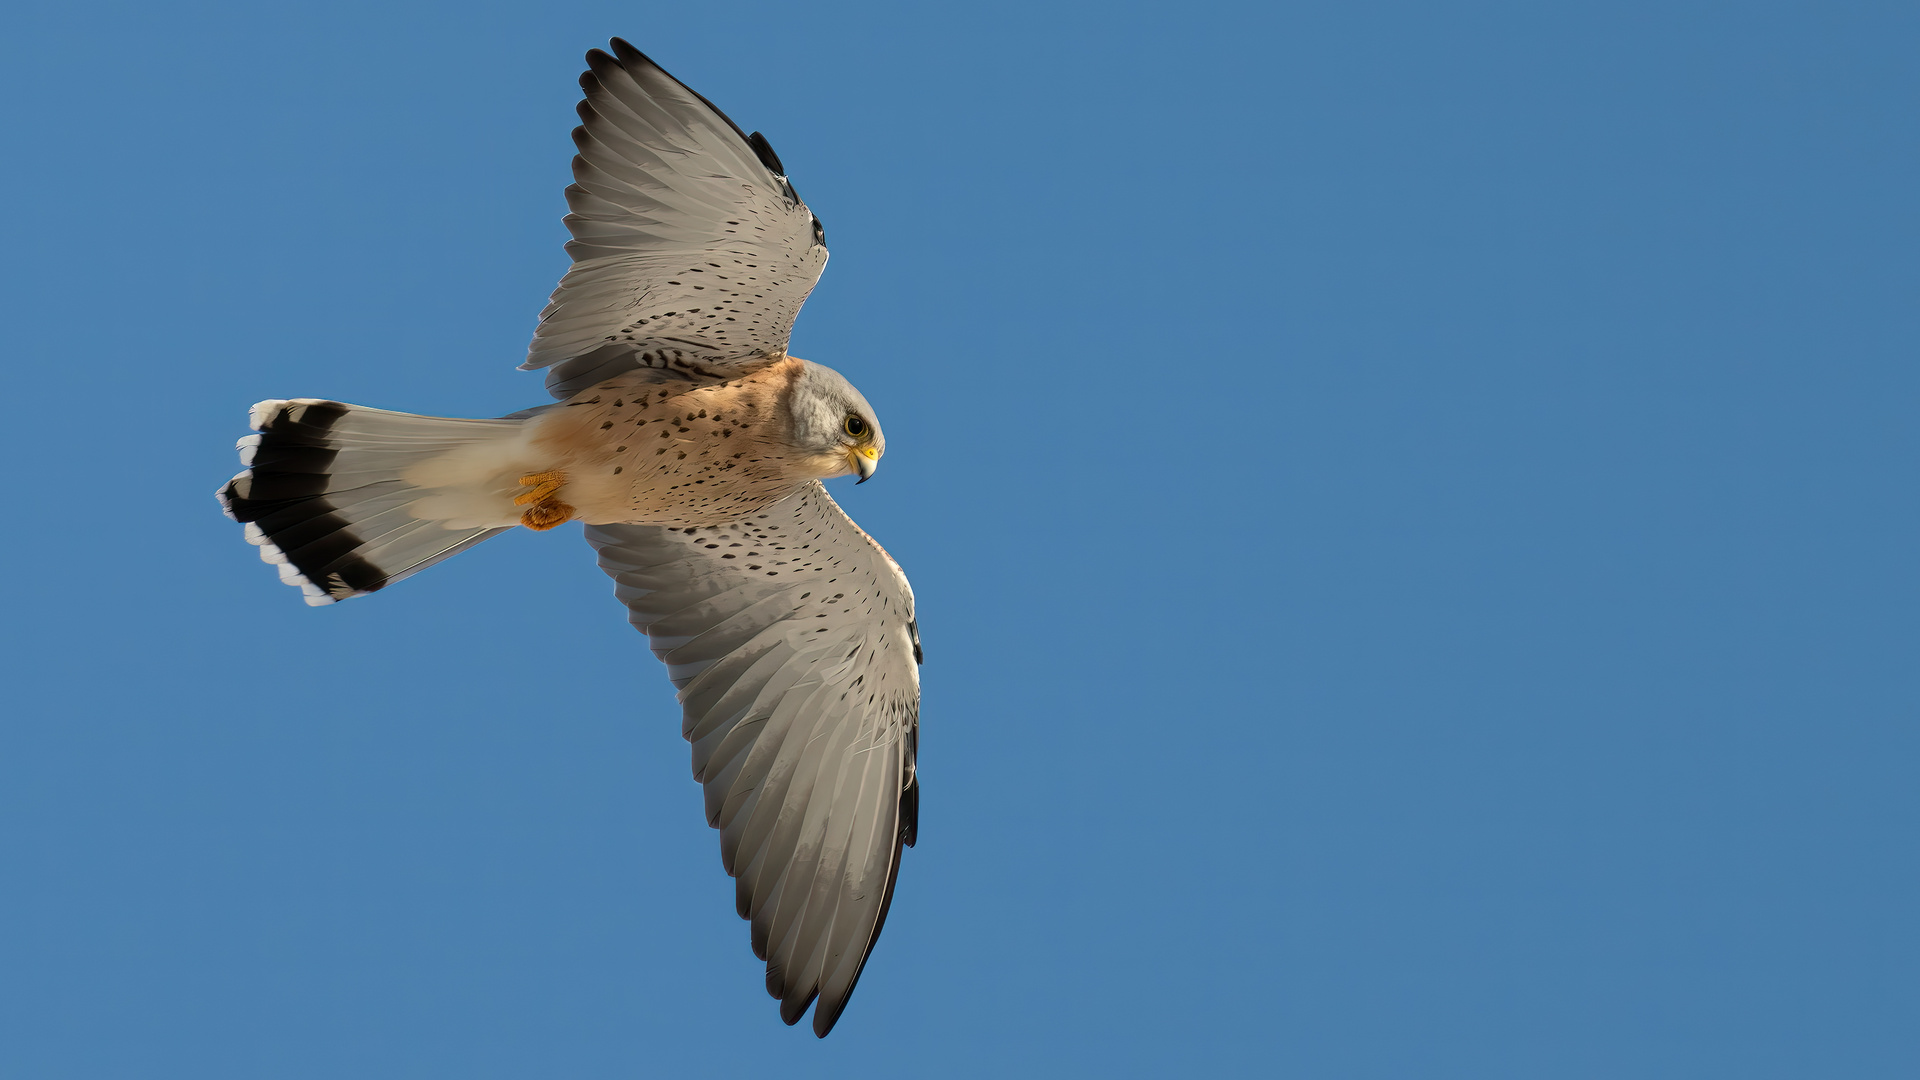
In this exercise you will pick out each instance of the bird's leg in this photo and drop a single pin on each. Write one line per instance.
(543, 510)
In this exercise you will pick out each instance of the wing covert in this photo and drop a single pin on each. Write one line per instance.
(690, 249)
(792, 641)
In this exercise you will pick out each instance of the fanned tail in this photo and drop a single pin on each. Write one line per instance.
(326, 499)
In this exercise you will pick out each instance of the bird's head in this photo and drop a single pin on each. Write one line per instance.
(834, 425)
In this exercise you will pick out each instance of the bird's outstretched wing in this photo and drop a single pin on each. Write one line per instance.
(792, 641)
(691, 251)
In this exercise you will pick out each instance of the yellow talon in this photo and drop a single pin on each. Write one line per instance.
(544, 484)
(545, 511)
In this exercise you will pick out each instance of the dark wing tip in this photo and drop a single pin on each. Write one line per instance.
(627, 54)
(825, 1016)
(628, 57)
(828, 1014)
(910, 812)
(764, 150)
(793, 1008)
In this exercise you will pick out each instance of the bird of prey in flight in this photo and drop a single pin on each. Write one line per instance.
(691, 446)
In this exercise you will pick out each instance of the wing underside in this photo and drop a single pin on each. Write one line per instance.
(796, 663)
(690, 249)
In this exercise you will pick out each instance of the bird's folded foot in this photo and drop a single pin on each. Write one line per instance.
(544, 484)
(543, 510)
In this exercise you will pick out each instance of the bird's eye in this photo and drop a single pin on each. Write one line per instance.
(854, 426)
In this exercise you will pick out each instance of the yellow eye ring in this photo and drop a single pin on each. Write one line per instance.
(854, 426)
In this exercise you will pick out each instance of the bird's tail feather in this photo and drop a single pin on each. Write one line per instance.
(332, 493)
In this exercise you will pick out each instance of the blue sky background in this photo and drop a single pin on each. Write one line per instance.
(1413, 509)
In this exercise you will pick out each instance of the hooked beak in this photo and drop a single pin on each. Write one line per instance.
(864, 459)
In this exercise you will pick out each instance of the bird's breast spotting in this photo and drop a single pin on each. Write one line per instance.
(637, 452)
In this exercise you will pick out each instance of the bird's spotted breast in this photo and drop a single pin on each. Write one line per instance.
(638, 452)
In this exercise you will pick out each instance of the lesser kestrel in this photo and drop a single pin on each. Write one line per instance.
(691, 446)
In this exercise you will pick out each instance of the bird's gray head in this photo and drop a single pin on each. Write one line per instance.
(834, 422)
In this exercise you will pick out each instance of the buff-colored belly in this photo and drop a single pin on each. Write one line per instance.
(635, 452)
(630, 451)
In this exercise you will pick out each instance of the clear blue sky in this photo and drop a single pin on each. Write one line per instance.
(1413, 509)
